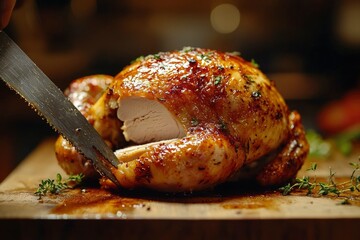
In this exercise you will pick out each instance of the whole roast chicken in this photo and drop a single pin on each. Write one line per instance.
(189, 120)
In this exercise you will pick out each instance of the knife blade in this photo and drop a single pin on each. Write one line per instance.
(21, 74)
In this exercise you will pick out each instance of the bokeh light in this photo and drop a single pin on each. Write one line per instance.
(225, 18)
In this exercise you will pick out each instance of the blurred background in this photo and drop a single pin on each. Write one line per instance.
(310, 48)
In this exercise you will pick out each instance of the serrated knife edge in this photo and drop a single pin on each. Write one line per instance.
(21, 74)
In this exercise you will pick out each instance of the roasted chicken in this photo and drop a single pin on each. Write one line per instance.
(189, 120)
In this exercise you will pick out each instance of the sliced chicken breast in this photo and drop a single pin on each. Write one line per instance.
(147, 120)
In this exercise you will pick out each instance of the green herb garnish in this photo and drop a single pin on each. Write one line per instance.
(188, 49)
(249, 78)
(141, 58)
(345, 202)
(55, 186)
(157, 56)
(194, 122)
(325, 188)
(206, 57)
(217, 80)
(254, 63)
(222, 125)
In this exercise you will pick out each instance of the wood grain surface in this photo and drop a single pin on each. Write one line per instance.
(221, 212)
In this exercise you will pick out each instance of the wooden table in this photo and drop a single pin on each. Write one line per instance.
(220, 213)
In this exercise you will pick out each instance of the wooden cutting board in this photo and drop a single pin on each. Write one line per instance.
(228, 202)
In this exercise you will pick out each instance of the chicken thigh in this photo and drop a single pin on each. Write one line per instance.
(192, 119)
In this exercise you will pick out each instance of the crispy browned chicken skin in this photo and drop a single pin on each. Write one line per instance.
(194, 118)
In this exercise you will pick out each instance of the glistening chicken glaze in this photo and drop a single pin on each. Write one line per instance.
(231, 114)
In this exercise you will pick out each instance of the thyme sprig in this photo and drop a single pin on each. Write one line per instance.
(325, 188)
(254, 63)
(55, 186)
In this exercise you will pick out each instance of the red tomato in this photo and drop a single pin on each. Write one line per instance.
(340, 115)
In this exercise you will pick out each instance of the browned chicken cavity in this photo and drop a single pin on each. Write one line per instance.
(189, 120)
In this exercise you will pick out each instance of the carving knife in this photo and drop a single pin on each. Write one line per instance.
(21, 74)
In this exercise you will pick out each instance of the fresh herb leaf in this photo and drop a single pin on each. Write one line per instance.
(157, 56)
(249, 78)
(217, 80)
(141, 58)
(286, 189)
(356, 167)
(76, 179)
(222, 125)
(194, 122)
(55, 186)
(206, 57)
(188, 49)
(345, 202)
(254, 63)
(323, 189)
(312, 167)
